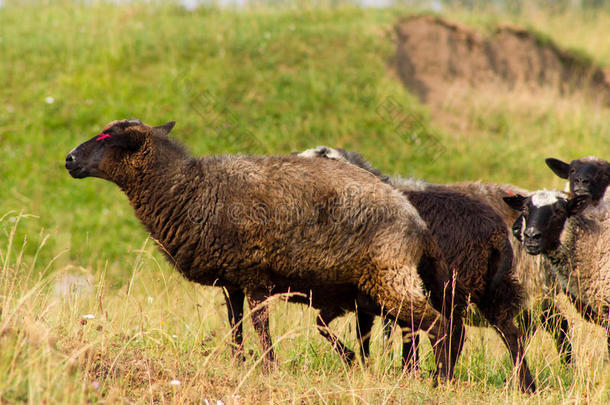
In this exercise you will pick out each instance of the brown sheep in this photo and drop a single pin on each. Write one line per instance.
(474, 240)
(265, 220)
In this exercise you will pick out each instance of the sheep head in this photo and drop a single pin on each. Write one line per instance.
(121, 149)
(587, 176)
(542, 219)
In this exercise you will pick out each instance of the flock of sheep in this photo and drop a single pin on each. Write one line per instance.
(327, 225)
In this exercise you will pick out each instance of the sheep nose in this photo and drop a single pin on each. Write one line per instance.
(532, 233)
(69, 158)
(583, 182)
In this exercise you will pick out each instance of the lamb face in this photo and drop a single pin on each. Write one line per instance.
(542, 219)
(587, 176)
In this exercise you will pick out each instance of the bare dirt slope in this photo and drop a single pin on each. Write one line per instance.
(434, 54)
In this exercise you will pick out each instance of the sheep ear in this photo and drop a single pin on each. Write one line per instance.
(165, 128)
(561, 169)
(515, 201)
(577, 204)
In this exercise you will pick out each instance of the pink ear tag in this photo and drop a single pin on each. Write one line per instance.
(102, 136)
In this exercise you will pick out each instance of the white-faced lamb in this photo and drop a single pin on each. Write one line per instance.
(575, 238)
(264, 221)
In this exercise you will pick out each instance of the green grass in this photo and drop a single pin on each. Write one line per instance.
(260, 82)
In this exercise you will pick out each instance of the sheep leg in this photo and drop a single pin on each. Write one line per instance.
(387, 331)
(234, 299)
(584, 309)
(410, 347)
(525, 322)
(410, 359)
(410, 350)
(557, 325)
(422, 316)
(514, 342)
(387, 328)
(322, 321)
(364, 321)
(458, 336)
(260, 321)
(442, 341)
(589, 314)
(402, 298)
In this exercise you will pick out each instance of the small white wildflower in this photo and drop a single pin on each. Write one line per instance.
(49, 100)
(219, 402)
(291, 27)
(175, 336)
(267, 35)
(436, 6)
(149, 299)
(175, 382)
(10, 108)
(89, 316)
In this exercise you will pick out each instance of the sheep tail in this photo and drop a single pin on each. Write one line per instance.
(503, 290)
(500, 265)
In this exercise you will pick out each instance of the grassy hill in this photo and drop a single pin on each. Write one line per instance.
(260, 81)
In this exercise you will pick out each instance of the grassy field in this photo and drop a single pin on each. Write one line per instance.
(259, 81)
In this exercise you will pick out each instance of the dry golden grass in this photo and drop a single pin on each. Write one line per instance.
(86, 343)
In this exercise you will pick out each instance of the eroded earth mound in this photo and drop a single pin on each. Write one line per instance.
(433, 54)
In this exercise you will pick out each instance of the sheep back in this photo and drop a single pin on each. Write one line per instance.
(585, 244)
